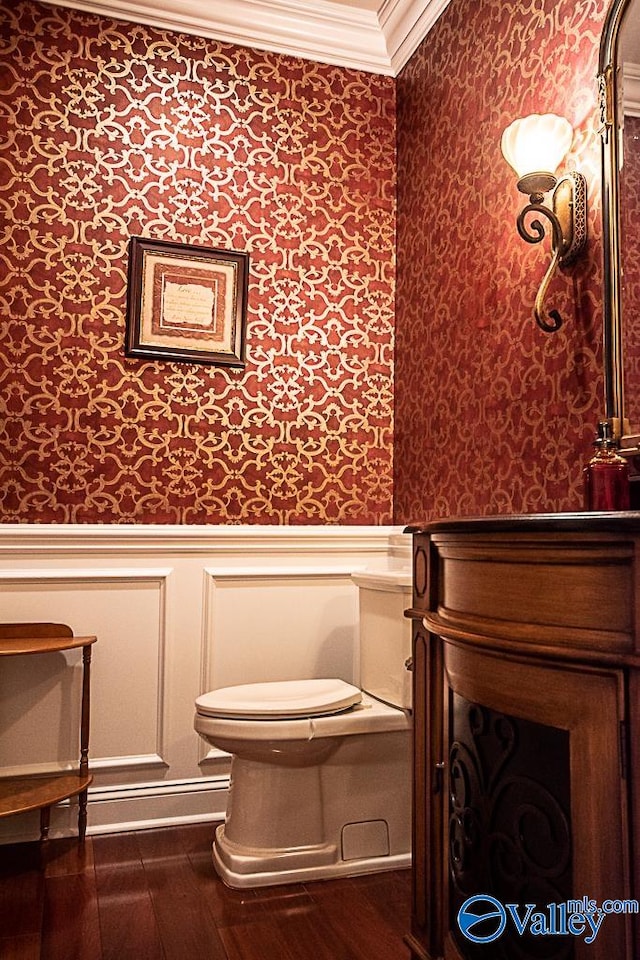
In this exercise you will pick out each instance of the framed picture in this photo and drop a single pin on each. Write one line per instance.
(186, 303)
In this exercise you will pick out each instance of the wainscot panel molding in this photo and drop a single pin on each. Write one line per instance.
(177, 610)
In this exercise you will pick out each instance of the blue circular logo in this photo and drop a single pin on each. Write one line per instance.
(485, 913)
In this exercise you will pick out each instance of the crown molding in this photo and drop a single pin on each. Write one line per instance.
(338, 33)
(405, 24)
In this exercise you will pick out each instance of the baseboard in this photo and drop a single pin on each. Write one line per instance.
(131, 807)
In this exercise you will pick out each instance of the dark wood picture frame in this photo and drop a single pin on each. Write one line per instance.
(186, 303)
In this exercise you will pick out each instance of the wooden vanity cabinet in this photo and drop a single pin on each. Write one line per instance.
(527, 722)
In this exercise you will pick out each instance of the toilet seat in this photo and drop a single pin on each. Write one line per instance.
(279, 700)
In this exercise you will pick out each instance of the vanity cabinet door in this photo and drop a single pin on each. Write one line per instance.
(427, 931)
(535, 809)
(428, 789)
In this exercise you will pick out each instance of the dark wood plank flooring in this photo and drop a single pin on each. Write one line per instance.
(154, 895)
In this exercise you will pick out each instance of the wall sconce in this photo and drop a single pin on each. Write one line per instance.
(535, 146)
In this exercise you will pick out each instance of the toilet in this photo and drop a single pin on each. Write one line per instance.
(321, 769)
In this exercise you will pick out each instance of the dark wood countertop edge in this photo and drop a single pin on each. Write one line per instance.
(621, 522)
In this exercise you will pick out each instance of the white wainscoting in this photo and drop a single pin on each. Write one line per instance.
(177, 611)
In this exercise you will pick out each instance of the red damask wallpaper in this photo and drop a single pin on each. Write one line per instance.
(111, 130)
(630, 250)
(492, 414)
(115, 130)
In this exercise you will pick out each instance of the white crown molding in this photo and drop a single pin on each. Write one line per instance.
(405, 24)
(338, 33)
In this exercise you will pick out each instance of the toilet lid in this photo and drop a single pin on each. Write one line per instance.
(284, 699)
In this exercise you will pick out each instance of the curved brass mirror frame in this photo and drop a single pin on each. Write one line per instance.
(609, 97)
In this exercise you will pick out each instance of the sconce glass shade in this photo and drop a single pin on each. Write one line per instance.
(537, 144)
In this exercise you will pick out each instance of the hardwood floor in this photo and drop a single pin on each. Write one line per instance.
(154, 895)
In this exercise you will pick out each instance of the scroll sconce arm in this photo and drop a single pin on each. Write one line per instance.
(534, 233)
(538, 307)
(568, 219)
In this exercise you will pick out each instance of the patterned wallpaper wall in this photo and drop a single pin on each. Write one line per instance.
(492, 414)
(115, 130)
(630, 251)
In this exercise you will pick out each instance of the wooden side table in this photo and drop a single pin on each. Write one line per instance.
(19, 794)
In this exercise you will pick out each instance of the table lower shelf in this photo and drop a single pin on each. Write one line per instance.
(19, 794)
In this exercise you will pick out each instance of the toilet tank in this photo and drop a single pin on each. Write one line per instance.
(385, 634)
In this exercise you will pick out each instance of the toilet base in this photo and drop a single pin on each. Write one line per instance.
(335, 803)
(242, 867)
